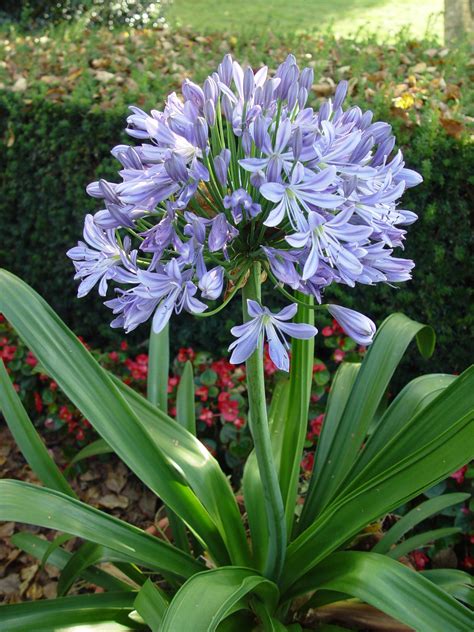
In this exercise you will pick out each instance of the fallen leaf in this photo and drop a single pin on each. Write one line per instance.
(20, 85)
(112, 501)
(10, 584)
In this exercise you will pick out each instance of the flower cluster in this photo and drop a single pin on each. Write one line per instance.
(242, 170)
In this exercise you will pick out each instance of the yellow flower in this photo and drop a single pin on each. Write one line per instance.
(404, 101)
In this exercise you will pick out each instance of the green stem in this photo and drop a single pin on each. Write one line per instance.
(258, 422)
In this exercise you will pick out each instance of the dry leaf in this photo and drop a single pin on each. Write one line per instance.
(112, 501)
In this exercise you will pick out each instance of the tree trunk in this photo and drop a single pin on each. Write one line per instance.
(458, 19)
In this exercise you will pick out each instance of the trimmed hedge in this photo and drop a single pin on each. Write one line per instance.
(51, 151)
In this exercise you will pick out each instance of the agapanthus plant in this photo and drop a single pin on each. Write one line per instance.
(242, 175)
(238, 182)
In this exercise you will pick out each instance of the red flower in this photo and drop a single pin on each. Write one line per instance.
(114, 356)
(80, 435)
(207, 416)
(327, 331)
(31, 359)
(318, 367)
(185, 354)
(228, 408)
(123, 345)
(419, 559)
(468, 562)
(172, 383)
(203, 393)
(239, 422)
(53, 386)
(307, 462)
(65, 414)
(339, 355)
(315, 425)
(459, 475)
(38, 402)
(8, 353)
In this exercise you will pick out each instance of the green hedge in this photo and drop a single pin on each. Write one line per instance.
(51, 151)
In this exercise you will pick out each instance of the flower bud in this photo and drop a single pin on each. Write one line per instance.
(248, 84)
(210, 112)
(356, 325)
(201, 133)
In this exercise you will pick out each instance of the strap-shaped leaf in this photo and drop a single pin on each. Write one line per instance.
(340, 390)
(28, 440)
(405, 480)
(137, 443)
(453, 403)
(87, 555)
(37, 547)
(392, 588)
(252, 486)
(390, 343)
(200, 469)
(209, 597)
(419, 540)
(457, 583)
(151, 604)
(23, 502)
(296, 426)
(158, 368)
(426, 509)
(411, 400)
(97, 447)
(92, 612)
(185, 404)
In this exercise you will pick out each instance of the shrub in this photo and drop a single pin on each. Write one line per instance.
(419, 87)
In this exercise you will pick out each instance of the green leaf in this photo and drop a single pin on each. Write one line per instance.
(391, 587)
(90, 388)
(453, 403)
(22, 502)
(296, 426)
(37, 547)
(412, 399)
(158, 368)
(421, 467)
(380, 362)
(419, 540)
(185, 404)
(415, 516)
(28, 440)
(107, 612)
(99, 446)
(252, 487)
(208, 598)
(151, 603)
(199, 467)
(55, 544)
(339, 394)
(87, 555)
(457, 583)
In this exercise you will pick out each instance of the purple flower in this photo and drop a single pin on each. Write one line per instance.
(295, 197)
(211, 283)
(99, 259)
(241, 205)
(356, 325)
(326, 237)
(274, 327)
(172, 289)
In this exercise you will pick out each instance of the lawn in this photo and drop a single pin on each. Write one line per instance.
(347, 17)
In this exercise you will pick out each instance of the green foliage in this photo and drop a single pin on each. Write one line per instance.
(52, 151)
(430, 440)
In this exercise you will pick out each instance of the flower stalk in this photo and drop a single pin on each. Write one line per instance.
(258, 422)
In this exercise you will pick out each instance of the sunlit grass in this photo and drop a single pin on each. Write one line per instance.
(381, 17)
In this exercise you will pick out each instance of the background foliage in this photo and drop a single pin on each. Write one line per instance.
(63, 105)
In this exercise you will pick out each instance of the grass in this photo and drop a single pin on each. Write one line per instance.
(347, 17)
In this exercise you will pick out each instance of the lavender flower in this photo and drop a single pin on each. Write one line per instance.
(243, 170)
(356, 325)
(274, 326)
